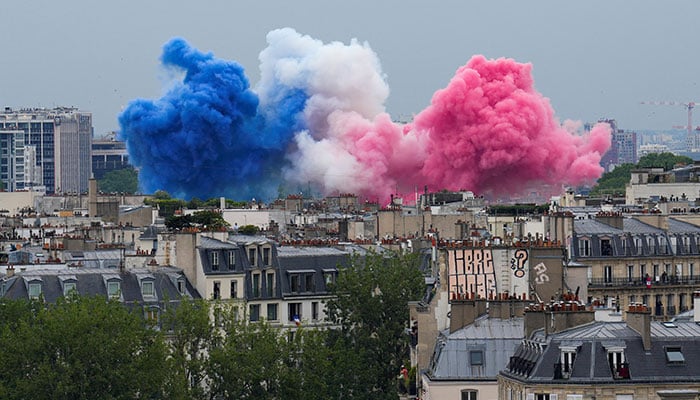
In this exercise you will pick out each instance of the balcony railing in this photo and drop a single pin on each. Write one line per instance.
(672, 280)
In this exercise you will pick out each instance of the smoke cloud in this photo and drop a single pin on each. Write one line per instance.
(317, 118)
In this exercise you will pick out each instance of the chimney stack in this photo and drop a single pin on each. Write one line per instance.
(639, 319)
(10, 271)
(465, 311)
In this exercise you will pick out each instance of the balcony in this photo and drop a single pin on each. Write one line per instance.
(639, 282)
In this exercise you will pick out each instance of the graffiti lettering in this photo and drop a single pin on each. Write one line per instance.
(542, 276)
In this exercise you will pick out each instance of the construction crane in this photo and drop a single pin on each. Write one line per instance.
(691, 141)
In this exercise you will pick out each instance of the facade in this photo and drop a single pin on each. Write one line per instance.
(636, 359)
(54, 144)
(651, 259)
(108, 154)
(286, 286)
(655, 184)
(623, 149)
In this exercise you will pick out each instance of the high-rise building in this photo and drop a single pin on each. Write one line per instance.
(45, 147)
(623, 148)
(108, 154)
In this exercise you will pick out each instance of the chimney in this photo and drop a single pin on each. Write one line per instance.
(556, 317)
(506, 308)
(696, 306)
(222, 203)
(639, 319)
(10, 271)
(464, 312)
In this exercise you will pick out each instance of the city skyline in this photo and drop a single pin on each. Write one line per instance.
(591, 59)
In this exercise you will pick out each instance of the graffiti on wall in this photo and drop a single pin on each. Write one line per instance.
(487, 271)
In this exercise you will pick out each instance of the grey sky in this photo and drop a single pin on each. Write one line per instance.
(593, 58)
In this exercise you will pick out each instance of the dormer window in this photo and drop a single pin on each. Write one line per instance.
(567, 356)
(266, 256)
(69, 287)
(113, 289)
(69, 284)
(34, 290)
(251, 256)
(214, 261)
(616, 359)
(584, 247)
(181, 286)
(606, 248)
(147, 289)
(674, 355)
(231, 259)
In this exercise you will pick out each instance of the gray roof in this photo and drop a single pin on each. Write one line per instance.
(635, 226)
(496, 339)
(678, 226)
(92, 282)
(593, 227)
(591, 363)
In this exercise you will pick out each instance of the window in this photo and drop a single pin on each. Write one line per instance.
(113, 290)
(231, 259)
(630, 273)
(468, 394)
(266, 256)
(329, 278)
(608, 274)
(652, 245)
(214, 261)
(251, 256)
(147, 289)
(181, 286)
(691, 270)
(270, 284)
(663, 246)
(294, 311)
(309, 282)
(314, 310)
(623, 242)
(574, 397)
(674, 355)
(294, 283)
(606, 247)
(656, 272)
(272, 312)
(476, 357)
(69, 287)
(256, 285)
(584, 247)
(254, 312)
(642, 270)
(234, 289)
(217, 290)
(638, 245)
(151, 314)
(34, 290)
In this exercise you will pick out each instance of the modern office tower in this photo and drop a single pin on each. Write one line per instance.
(45, 147)
(623, 149)
(108, 154)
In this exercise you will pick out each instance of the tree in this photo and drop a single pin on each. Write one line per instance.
(122, 180)
(370, 304)
(615, 181)
(81, 348)
(192, 334)
(667, 161)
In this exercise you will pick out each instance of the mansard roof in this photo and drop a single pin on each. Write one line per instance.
(497, 339)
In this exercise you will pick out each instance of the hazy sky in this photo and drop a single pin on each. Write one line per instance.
(592, 59)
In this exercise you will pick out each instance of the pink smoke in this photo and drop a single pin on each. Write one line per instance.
(488, 131)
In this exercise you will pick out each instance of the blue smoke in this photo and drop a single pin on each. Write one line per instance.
(209, 136)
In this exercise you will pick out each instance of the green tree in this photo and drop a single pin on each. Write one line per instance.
(166, 205)
(370, 304)
(248, 230)
(191, 336)
(249, 363)
(614, 182)
(81, 348)
(123, 180)
(667, 161)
